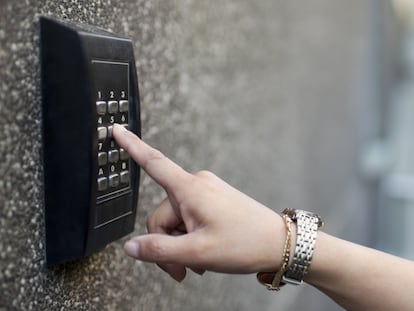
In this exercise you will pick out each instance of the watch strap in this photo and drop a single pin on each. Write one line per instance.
(307, 227)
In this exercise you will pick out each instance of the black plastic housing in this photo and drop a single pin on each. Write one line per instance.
(73, 215)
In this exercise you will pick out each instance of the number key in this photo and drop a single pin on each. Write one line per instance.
(113, 180)
(102, 133)
(102, 158)
(112, 106)
(113, 156)
(123, 105)
(101, 107)
(102, 183)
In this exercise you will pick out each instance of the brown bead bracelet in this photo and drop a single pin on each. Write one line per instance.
(272, 280)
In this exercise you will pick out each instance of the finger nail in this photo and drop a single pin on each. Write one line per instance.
(131, 248)
(120, 127)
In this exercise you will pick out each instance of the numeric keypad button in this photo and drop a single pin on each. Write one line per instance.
(110, 128)
(113, 156)
(101, 107)
(112, 106)
(113, 180)
(102, 158)
(102, 133)
(123, 155)
(123, 106)
(124, 177)
(102, 183)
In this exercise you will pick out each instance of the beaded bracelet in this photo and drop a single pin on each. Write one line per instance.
(272, 280)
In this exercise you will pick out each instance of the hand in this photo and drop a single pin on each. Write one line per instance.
(203, 223)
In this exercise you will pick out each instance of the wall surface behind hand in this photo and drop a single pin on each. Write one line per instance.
(276, 97)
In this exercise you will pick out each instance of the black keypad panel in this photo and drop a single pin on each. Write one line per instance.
(112, 106)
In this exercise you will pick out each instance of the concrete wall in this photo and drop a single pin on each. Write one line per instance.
(276, 97)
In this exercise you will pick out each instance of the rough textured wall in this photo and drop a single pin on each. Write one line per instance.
(271, 95)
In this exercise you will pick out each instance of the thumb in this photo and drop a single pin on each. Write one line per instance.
(162, 248)
(167, 251)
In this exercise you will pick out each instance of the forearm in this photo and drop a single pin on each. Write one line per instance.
(360, 278)
(221, 229)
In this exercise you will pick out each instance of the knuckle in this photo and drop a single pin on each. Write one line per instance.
(202, 250)
(157, 249)
(203, 246)
(129, 145)
(205, 174)
(152, 156)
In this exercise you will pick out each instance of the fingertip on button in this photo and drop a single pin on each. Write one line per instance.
(119, 126)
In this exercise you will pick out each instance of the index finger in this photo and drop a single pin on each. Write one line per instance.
(164, 171)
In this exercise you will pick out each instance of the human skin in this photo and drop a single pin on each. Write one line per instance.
(205, 224)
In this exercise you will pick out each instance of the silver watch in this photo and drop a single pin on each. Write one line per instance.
(307, 224)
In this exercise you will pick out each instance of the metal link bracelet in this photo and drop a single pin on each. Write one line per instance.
(307, 227)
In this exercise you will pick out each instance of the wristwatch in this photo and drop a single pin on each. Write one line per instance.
(307, 225)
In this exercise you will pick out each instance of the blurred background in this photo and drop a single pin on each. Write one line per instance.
(302, 104)
(395, 151)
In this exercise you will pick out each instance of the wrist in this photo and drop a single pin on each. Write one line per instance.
(297, 252)
(324, 260)
(272, 280)
(276, 238)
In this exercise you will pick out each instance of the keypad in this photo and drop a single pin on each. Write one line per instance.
(113, 161)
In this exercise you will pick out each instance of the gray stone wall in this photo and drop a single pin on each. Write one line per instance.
(276, 97)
